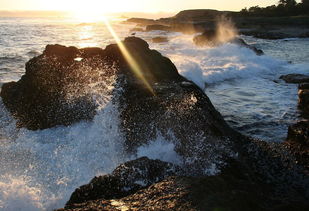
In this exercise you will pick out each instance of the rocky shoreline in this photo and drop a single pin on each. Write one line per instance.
(199, 21)
(220, 168)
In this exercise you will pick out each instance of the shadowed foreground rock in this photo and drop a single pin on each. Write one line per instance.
(233, 189)
(125, 180)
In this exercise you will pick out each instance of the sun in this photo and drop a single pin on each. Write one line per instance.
(89, 11)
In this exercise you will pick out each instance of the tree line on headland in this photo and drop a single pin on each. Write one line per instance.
(283, 8)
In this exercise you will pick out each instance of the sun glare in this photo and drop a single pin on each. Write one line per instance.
(89, 11)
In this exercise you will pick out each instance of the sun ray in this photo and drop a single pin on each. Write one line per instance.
(128, 56)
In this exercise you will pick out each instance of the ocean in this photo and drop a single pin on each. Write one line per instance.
(40, 169)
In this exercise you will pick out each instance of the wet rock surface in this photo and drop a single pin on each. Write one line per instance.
(58, 86)
(210, 38)
(295, 78)
(159, 39)
(233, 189)
(125, 180)
(303, 99)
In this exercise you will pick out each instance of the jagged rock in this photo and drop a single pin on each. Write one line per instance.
(303, 98)
(299, 133)
(141, 21)
(137, 29)
(159, 39)
(295, 78)
(209, 38)
(298, 141)
(233, 189)
(242, 43)
(158, 27)
(57, 87)
(125, 180)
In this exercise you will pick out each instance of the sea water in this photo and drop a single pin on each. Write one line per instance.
(40, 169)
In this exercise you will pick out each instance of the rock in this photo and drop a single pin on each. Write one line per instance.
(242, 43)
(303, 86)
(141, 21)
(209, 38)
(303, 99)
(56, 89)
(137, 29)
(125, 180)
(230, 190)
(265, 35)
(158, 27)
(295, 78)
(159, 39)
(299, 133)
(298, 141)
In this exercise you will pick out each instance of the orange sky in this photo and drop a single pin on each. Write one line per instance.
(110, 6)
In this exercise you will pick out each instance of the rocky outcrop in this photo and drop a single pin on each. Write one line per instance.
(159, 39)
(295, 78)
(58, 87)
(242, 43)
(158, 27)
(303, 99)
(298, 141)
(303, 93)
(233, 189)
(210, 38)
(125, 180)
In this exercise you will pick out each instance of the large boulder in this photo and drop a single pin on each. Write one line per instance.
(125, 180)
(233, 189)
(57, 88)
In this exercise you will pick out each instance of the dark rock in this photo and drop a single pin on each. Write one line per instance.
(141, 21)
(210, 38)
(303, 99)
(207, 38)
(242, 43)
(299, 133)
(298, 141)
(262, 34)
(125, 180)
(295, 78)
(303, 86)
(159, 39)
(158, 27)
(137, 29)
(56, 87)
(230, 190)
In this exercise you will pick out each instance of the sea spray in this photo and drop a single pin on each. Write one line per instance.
(225, 30)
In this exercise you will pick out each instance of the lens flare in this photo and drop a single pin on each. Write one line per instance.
(137, 70)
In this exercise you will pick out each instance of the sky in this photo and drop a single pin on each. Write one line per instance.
(111, 6)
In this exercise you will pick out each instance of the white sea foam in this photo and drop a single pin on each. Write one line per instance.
(42, 168)
(161, 149)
